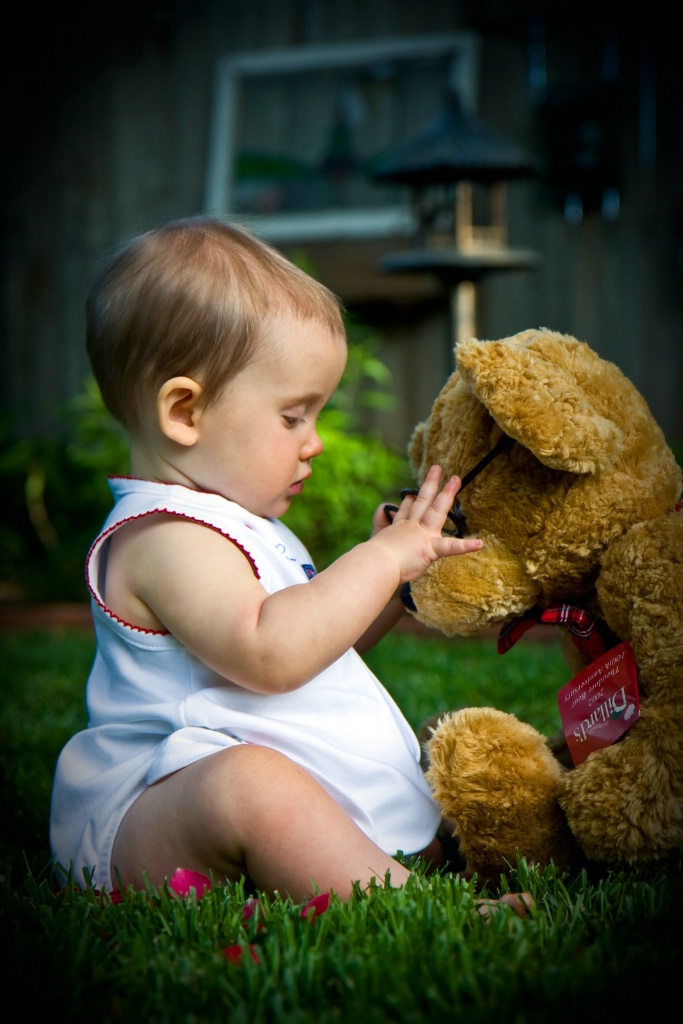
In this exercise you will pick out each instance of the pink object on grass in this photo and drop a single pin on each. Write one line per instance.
(318, 905)
(235, 954)
(184, 881)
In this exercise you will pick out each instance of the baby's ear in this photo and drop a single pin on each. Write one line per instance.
(178, 409)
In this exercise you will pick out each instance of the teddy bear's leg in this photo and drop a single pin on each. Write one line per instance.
(496, 780)
(625, 802)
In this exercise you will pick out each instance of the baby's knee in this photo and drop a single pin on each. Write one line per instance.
(264, 768)
(253, 771)
(263, 793)
(276, 785)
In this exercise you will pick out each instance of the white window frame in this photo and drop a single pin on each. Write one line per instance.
(463, 47)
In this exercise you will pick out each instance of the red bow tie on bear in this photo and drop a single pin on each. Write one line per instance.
(582, 626)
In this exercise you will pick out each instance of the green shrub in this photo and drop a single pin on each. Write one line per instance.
(55, 498)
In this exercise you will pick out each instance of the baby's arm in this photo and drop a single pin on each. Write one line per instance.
(395, 609)
(187, 579)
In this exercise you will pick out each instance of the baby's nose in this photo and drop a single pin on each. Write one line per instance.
(313, 447)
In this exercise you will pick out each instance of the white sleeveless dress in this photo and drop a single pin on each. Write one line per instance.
(154, 708)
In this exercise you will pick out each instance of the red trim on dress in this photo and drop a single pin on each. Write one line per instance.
(98, 543)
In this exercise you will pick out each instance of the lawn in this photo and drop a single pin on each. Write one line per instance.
(593, 948)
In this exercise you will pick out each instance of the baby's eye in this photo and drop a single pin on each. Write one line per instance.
(292, 421)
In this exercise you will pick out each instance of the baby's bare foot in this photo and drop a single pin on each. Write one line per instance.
(520, 902)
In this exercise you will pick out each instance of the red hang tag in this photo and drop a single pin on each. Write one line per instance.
(601, 703)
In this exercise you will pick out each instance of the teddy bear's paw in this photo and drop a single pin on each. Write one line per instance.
(465, 595)
(496, 779)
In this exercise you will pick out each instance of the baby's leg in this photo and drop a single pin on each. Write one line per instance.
(250, 811)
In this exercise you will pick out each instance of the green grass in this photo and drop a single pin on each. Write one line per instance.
(593, 949)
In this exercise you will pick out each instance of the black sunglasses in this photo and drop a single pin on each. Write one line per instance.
(456, 514)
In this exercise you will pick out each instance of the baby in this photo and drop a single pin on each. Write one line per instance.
(234, 728)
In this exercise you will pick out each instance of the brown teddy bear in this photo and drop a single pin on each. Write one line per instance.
(570, 483)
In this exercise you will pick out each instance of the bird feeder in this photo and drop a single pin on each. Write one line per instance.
(457, 169)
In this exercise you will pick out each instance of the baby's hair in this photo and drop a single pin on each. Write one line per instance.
(191, 298)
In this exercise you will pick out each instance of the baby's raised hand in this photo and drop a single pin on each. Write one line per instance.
(414, 537)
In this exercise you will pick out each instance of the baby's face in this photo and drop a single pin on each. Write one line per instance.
(258, 439)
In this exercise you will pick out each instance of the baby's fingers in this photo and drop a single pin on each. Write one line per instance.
(416, 506)
(445, 546)
(428, 505)
(432, 512)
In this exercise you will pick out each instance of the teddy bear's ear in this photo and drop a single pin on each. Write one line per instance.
(544, 390)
